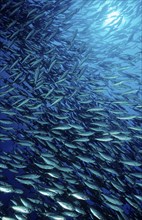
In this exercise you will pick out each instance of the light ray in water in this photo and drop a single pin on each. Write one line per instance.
(114, 18)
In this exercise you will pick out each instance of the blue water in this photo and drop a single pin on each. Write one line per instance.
(95, 47)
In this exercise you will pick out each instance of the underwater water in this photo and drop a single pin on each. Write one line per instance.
(71, 109)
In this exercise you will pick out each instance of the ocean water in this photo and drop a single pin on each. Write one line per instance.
(71, 109)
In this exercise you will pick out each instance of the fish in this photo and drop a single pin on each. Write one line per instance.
(66, 205)
(96, 213)
(70, 122)
(21, 209)
(6, 189)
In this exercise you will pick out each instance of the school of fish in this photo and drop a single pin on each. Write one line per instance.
(70, 110)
